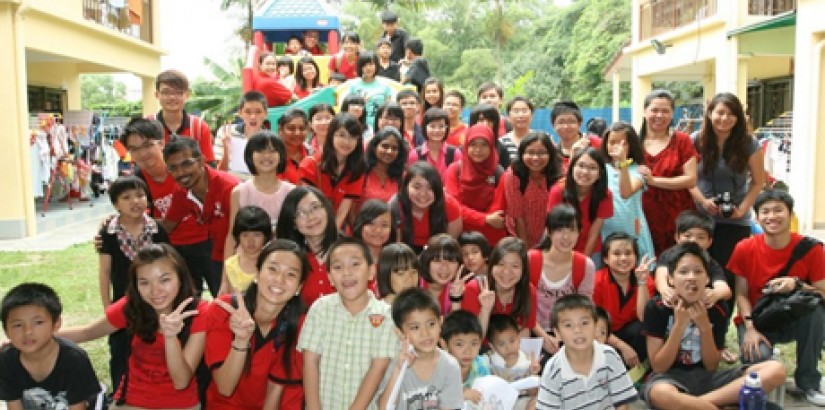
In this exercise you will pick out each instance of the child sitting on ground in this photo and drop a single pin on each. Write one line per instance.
(684, 342)
(433, 379)
(39, 370)
(348, 338)
(507, 360)
(462, 336)
(583, 374)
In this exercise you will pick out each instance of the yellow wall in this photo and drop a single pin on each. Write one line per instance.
(56, 32)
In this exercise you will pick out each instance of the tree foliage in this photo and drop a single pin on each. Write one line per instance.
(217, 100)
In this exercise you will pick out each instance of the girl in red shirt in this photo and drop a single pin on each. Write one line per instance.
(345, 61)
(440, 268)
(473, 182)
(320, 115)
(433, 94)
(252, 337)
(307, 219)
(526, 186)
(585, 188)
(167, 323)
(307, 77)
(622, 288)
(386, 158)
(339, 170)
(292, 128)
(509, 291)
(423, 208)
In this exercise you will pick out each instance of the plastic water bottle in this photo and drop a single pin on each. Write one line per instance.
(752, 397)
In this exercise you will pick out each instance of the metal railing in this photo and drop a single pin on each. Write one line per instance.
(770, 7)
(109, 14)
(661, 16)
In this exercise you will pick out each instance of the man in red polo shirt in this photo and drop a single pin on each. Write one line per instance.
(144, 140)
(172, 91)
(203, 193)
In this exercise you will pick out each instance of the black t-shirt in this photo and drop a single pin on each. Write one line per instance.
(659, 322)
(71, 381)
(120, 262)
(418, 73)
(399, 42)
(393, 71)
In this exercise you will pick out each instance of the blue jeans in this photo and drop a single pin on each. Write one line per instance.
(809, 334)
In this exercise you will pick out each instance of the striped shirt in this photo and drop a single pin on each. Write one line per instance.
(607, 386)
(346, 344)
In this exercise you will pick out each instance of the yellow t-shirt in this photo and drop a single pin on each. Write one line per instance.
(238, 279)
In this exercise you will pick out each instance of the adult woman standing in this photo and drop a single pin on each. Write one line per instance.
(730, 174)
(670, 168)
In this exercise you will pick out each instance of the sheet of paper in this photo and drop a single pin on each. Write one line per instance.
(531, 346)
(497, 393)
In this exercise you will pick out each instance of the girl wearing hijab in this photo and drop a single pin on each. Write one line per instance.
(474, 181)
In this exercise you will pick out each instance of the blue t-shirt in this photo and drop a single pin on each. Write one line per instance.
(628, 216)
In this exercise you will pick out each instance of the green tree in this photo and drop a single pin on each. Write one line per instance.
(100, 89)
(217, 100)
(245, 30)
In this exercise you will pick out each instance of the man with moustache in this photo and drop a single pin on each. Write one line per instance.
(202, 193)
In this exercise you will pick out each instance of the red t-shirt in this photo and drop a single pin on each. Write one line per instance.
(149, 383)
(266, 364)
(188, 231)
(317, 283)
(336, 192)
(604, 211)
(471, 304)
(346, 68)
(193, 127)
(292, 172)
(456, 136)
(213, 213)
(608, 294)
(757, 262)
(276, 94)
(421, 227)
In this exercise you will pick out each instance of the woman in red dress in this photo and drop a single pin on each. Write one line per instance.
(669, 170)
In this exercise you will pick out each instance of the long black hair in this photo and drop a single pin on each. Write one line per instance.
(370, 210)
(552, 171)
(299, 74)
(141, 318)
(487, 112)
(438, 212)
(396, 168)
(291, 313)
(736, 149)
(354, 164)
(286, 228)
(521, 299)
(634, 143)
(599, 190)
(562, 216)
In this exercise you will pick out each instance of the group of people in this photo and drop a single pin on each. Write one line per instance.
(349, 259)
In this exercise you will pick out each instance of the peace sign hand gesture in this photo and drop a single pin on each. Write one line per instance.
(643, 269)
(486, 297)
(172, 323)
(240, 321)
(460, 282)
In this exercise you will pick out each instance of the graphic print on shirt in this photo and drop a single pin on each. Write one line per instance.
(424, 398)
(39, 398)
(690, 347)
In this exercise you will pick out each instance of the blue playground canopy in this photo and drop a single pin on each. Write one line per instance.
(280, 19)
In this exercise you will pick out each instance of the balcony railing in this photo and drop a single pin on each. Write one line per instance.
(770, 7)
(116, 15)
(660, 16)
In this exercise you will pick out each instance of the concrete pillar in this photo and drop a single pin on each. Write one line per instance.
(617, 91)
(73, 95)
(150, 103)
(640, 88)
(17, 214)
(709, 82)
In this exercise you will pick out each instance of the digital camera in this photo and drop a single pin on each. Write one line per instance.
(725, 203)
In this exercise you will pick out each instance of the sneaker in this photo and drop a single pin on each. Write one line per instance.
(815, 397)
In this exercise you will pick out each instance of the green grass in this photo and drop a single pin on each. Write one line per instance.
(73, 274)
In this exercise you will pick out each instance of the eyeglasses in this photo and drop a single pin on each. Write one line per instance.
(185, 164)
(304, 214)
(171, 93)
(142, 148)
